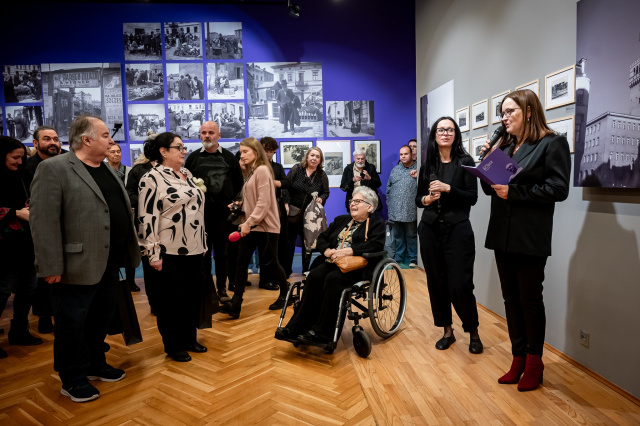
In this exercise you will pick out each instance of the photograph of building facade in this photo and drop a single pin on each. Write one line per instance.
(350, 118)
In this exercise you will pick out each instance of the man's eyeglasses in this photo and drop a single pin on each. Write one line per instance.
(357, 201)
(507, 113)
(180, 148)
(442, 131)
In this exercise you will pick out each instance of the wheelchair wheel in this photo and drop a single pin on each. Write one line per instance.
(362, 343)
(387, 298)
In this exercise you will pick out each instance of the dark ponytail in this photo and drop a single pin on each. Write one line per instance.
(152, 146)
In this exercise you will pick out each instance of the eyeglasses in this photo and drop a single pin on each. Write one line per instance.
(442, 131)
(357, 201)
(507, 113)
(181, 148)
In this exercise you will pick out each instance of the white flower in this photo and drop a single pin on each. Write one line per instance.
(200, 184)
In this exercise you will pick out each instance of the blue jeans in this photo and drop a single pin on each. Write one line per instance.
(389, 241)
(406, 236)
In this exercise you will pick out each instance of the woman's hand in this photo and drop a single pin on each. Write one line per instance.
(286, 208)
(342, 253)
(156, 264)
(501, 190)
(486, 146)
(428, 199)
(23, 214)
(319, 200)
(437, 186)
(328, 253)
(245, 229)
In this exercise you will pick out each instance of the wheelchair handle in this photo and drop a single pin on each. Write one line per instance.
(374, 255)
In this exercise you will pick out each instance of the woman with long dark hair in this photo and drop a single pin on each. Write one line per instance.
(521, 224)
(447, 246)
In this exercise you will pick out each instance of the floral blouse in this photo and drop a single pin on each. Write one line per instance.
(170, 214)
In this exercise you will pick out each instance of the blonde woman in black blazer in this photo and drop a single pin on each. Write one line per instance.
(520, 227)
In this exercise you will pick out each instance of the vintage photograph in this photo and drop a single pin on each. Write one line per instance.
(135, 150)
(534, 86)
(564, 126)
(185, 119)
(285, 99)
(144, 82)
(22, 84)
(291, 153)
(22, 121)
(223, 40)
(225, 80)
(185, 81)
(560, 88)
(477, 142)
(337, 155)
(350, 118)
(144, 118)
(462, 117)
(142, 41)
(496, 104)
(466, 146)
(479, 114)
(372, 151)
(71, 90)
(230, 119)
(183, 41)
(234, 147)
(1, 120)
(191, 148)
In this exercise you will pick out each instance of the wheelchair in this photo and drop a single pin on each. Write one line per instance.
(385, 296)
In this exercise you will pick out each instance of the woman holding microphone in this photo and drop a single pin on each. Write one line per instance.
(521, 224)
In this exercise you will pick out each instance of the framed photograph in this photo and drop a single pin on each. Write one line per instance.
(337, 155)
(135, 149)
(142, 41)
(466, 146)
(350, 119)
(185, 81)
(291, 153)
(144, 82)
(225, 80)
(22, 121)
(223, 40)
(183, 41)
(476, 144)
(534, 86)
(185, 119)
(560, 88)
(564, 126)
(230, 119)
(372, 151)
(144, 118)
(480, 114)
(462, 117)
(22, 84)
(496, 102)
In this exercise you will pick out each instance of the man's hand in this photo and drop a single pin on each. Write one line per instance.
(156, 264)
(53, 279)
(501, 190)
(367, 176)
(23, 214)
(413, 173)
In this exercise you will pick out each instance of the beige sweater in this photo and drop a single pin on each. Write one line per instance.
(260, 205)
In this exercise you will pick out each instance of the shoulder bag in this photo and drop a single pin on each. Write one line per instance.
(351, 263)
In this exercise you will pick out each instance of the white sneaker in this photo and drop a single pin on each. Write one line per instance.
(250, 271)
(413, 265)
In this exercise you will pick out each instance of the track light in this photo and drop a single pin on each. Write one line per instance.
(294, 9)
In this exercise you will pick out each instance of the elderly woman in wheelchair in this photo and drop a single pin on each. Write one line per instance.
(319, 313)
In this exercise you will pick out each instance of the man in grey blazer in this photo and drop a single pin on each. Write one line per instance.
(83, 233)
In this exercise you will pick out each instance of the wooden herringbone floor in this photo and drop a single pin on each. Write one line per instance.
(247, 377)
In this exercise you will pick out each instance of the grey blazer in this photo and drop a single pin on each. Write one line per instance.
(69, 221)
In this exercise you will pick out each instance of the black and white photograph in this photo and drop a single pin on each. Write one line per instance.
(462, 117)
(230, 119)
(560, 88)
(135, 150)
(534, 86)
(142, 41)
(22, 121)
(350, 119)
(337, 155)
(479, 114)
(144, 82)
(234, 147)
(185, 81)
(22, 84)
(71, 90)
(223, 40)
(466, 146)
(191, 148)
(291, 153)
(185, 119)
(145, 117)
(2, 120)
(285, 99)
(477, 142)
(496, 106)
(371, 151)
(564, 126)
(225, 80)
(183, 41)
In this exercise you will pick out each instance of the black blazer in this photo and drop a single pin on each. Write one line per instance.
(456, 204)
(347, 184)
(523, 223)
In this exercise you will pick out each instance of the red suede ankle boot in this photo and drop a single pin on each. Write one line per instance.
(514, 373)
(532, 376)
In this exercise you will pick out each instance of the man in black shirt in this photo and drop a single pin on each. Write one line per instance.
(222, 176)
(83, 233)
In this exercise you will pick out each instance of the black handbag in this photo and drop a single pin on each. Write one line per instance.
(125, 317)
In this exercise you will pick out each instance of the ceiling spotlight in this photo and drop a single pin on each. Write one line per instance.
(294, 9)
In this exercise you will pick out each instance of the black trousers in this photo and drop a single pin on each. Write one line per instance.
(294, 231)
(265, 276)
(318, 310)
(448, 252)
(18, 277)
(178, 297)
(218, 230)
(267, 244)
(149, 285)
(42, 305)
(521, 278)
(82, 315)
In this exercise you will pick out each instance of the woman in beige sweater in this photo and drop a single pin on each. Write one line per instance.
(261, 226)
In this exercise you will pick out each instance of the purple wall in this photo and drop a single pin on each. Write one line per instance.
(366, 47)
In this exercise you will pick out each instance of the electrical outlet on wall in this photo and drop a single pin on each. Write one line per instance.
(584, 338)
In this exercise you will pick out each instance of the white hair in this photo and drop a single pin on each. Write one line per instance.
(368, 194)
(359, 151)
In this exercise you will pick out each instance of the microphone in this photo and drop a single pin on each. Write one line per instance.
(235, 236)
(494, 139)
(433, 177)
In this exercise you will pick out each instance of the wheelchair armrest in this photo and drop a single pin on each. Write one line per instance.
(374, 255)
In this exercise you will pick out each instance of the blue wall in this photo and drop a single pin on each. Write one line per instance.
(367, 50)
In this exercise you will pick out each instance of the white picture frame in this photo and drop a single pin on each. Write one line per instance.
(534, 86)
(337, 154)
(496, 101)
(292, 153)
(480, 114)
(466, 146)
(372, 151)
(560, 88)
(565, 126)
(462, 119)
(476, 144)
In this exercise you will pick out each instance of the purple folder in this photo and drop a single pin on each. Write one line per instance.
(496, 169)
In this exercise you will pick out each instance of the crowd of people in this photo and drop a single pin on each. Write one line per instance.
(143, 42)
(67, 238)
(23, 87)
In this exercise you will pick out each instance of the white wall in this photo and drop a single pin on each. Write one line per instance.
(593, 278)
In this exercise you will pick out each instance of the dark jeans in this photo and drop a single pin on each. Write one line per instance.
(448, 253)
(82, 315)
(218, 230)
(267, 244)
(521, 278)
(19, 279)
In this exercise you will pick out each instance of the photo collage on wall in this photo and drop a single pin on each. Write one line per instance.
(22, 112)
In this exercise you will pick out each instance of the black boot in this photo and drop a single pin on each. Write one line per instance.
(232, 308)
(19, 335)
